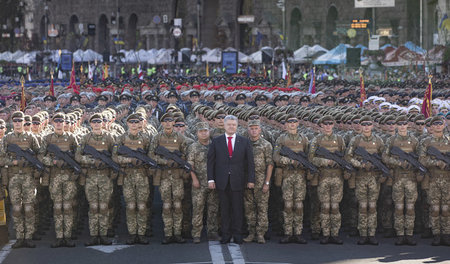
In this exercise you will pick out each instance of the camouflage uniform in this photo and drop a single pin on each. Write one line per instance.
(367, 183)
(404, 189)
(21, 184)
(294, 182)
(99, 185)
(136, 189)
(171, 187)
(256, 202)
(439, 192)
(62, 184)
(330, 189)
(201, 197)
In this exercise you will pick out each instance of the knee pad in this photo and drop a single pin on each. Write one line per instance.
(435, 210)
(363, 208)
(28, 210)
(299, 208)
(410, 209)
(16, 210)
(167, 207)
(372, 208)
(334, 208)
(177, 207)
(93, 208)
(445, 211)
(325, 207)
(57, 208)
(67, 206)
(141, 206)
(288, 206)
(103, 208)
(131, 206)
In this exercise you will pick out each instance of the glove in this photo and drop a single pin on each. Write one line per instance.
(59, 163)
(297, 164)
(367, 165)
(99, 164)
(441, 164)
(404, 164)
(136, 162)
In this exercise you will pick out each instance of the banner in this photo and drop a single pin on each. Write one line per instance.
(374, 3)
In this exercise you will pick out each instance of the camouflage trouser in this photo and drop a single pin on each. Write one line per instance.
(256, 204)
(367, 191)
(439, 198)
(187, 207)
(330, 193)
(172, 192)
(21, 190)
(315, 209)
(294, 191)
(202, 197)
(98, 188)
(386, 206)
(404, 191)
(135, 192)
(62, 192)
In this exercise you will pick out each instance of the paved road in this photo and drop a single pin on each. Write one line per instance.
(213, 252)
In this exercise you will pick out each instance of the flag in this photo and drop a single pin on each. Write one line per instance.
(23, 102)
(90, 71)
(207, 69)
(289, 79)
(105, 72)
(362, 92)
(73, 81)
(140, 73)
(52, 90)
(284, 74)
(28, 74)
(312, 83)
(259, 38)
(426, 104)
(264, 71)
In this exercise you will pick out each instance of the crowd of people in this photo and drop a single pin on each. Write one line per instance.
(372, 164)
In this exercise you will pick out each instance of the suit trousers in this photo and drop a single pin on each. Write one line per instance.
(231, 209)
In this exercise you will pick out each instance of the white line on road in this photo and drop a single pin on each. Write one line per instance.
(236, 254)
(4, 252)
(215, 249)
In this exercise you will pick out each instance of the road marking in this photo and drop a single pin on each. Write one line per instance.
(215, 249)
(109, 249)
(4, 252)
(236, 254)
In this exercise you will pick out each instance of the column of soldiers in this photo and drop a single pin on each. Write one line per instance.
(77, 155)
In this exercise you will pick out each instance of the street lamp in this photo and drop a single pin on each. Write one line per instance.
(282, 5)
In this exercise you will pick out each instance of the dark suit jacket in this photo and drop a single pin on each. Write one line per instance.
(239, 170)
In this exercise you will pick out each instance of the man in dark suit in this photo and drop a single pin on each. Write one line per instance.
(230, 169)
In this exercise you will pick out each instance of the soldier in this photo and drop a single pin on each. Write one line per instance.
(171, 179)
(256, 201)
(294, 180)
(136, 189)
(404, 188)
(62, 182)
(99, 184)
(201, 195)
(218, 124)
(367, 180)
(331, 181)
(439, 192)
(21, 183)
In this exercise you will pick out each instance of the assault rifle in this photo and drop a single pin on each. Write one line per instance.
(104, 156)
(439, 155)
(175, 156)
(137, 154)
(298, 156)
(411, 158)
(52, 148)
(375, 159)
(336, 157)
(28, 155)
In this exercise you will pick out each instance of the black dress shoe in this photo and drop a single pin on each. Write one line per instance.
(299, 239)
(436, 240)
(336, 240)
(410, 241)
(225, 240)
(325, 240)
(167, 240)
(400, 241)
(93, 241)
(285, 239)
(372, 241)
(362, 240)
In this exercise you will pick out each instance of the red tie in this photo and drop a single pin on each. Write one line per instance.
(230, 147)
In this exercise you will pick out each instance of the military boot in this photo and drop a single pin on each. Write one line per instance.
(58, 243)
(372, 241)
(315, 236)
(179, 239)
(436, 240)
(196, 240)
(445, 240)
(29, 243)
(400, 241)
(19, 244)
(410, 241)
(36, 236)
(68, 242)
(142, 240)
(285, 239)
(260, 239)
(167, 240)
(105, 241)
(362, 240)
(336, 240)
(250, 238)
(93, 241)
(131, 240)
(325, 240)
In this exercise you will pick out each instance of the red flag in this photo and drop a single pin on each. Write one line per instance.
(23, 102)
(363, 95)
(426, 104)
(73, 81)
(264, 71)
(52, 89)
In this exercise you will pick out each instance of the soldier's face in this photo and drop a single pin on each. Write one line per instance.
(180, 127)
(18, 124)
(254, 131)
(167, 124)
(58, 123)
(438, 126)
(203, 134)
(327, 127)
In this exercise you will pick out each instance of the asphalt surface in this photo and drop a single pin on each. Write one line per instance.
(213, 252)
